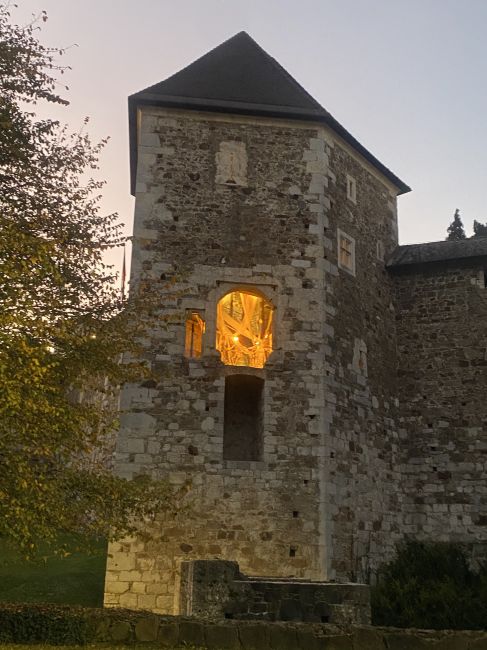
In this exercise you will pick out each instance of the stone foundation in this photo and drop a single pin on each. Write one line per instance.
(216, 589)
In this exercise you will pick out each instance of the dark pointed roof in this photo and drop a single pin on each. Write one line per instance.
(237, 71)
(238, 76)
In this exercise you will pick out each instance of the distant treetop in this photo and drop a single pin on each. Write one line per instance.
(455, 229)
(479, 229)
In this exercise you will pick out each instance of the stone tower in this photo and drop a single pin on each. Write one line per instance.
(274, 394)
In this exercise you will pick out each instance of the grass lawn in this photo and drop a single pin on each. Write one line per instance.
(74, 580)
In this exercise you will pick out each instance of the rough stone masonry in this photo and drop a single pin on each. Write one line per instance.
(318, 390)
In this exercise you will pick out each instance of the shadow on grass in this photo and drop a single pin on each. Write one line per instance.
(74, 580)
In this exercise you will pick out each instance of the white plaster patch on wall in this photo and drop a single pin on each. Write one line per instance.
(359, 363)
(231, 164)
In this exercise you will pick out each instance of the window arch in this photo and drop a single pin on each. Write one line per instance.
(244, 329)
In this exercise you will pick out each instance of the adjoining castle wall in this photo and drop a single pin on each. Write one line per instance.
(442, 343)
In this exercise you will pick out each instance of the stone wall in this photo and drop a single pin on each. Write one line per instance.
(62, 625)
(216, 589)
(442, 342)
(255, 233)
(225, 202)
(361, 444)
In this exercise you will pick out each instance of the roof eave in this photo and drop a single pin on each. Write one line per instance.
(265, 110)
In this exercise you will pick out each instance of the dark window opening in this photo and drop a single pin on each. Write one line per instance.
(292, 551)
(295, 514)
(242, 432)
(485, 279)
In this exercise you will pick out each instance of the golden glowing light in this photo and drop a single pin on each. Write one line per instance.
(244, 329)
(195, 328)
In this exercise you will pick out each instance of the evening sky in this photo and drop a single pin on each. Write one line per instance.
(406, 77)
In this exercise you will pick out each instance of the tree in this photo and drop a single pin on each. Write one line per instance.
(479, 229)
(63, 325)
(456, 230)
(430, 585)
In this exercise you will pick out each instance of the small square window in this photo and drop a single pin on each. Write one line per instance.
(351, 189)
(346, 252)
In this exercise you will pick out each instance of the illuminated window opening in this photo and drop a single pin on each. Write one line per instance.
(193, 342)
(244, 329)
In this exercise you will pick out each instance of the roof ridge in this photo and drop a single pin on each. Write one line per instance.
(241, 33)
(275, 63)
(445, 241)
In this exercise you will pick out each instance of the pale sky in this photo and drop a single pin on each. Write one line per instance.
(408, 78)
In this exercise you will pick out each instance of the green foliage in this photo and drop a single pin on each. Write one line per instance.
(456, 230)
(64, 625)
(479, 229)
(430, 585)
(63, 325)
(47, 623)
(95, 646)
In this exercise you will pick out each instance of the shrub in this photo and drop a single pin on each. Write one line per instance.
(68, 625)
(430, 585)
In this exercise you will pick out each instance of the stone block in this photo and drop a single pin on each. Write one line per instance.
(307, 640)
(222, 637)
(338, 642)
(129, 600)
(116, 587)
(122, 562)
(157, 588)
(191, 632)
(120, 631)
(168, 633)
(253, 636)
(366, 638)
(454, 641)
(147, 629)
(146, 601)
(283, 637)
(405, 641)
(317, 144)
(102, 630)
(149, 140)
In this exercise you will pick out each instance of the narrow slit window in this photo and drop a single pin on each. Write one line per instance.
(380, 250)
(195, 328)
(244, 329)
(243, 420)
(351, 189)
